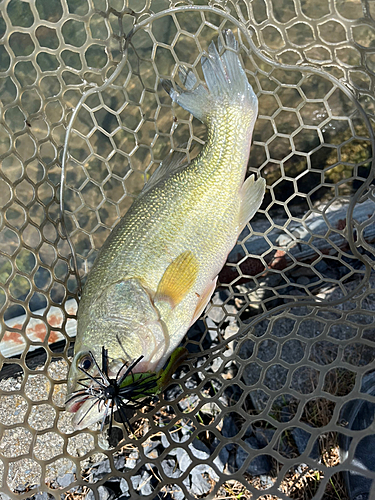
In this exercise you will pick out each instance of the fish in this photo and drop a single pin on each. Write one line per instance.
(157, 270)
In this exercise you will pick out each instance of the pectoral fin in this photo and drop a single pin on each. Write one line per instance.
(178, 279)
(252, 193)
(203, 300)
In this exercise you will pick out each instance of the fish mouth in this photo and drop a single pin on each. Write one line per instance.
(100, 395)
(73, 405)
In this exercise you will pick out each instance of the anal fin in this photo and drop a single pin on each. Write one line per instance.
(178, 279)
(252, 193)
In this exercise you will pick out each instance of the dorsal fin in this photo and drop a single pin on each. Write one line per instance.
(174, 162)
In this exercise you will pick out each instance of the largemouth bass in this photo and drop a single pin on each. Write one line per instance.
(158, 268)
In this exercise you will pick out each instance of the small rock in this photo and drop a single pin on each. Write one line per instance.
(207, 469)
(199, 485)
(321, 266)
(230, 330)
(241, 456)
(282, 327)
(251, 373)
(124, 487)
(170, 468)
(301, 438)
(216, 313)
(266, 350)
(183, 459)
(164, 441)
(210, 409)
(172, 392)
(188, 402)
(216, 364)
(136, 480)
(219, 464)
(150, 448)
(224, 455)
(145, 485)
(65, 480)
(246, 349)
(199, 449)
(132, 459)
(259, 399)
(286, 414)
(266, 481)
(103, 494)
(119, 462)
(42, 495)
(303, 280)
(103, 469)
(293, 351)
(229, 428)
(178, 494)
(259, 465)
(263, 436)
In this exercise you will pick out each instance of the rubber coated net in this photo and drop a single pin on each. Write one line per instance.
(277, 400)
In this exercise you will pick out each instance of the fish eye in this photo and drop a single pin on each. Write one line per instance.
(85, 362)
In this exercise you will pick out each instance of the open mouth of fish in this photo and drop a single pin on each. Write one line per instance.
(89, 409)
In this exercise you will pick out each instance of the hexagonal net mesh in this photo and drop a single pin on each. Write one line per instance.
(281, 363)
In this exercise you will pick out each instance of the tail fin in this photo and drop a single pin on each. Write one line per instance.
(225, 78)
